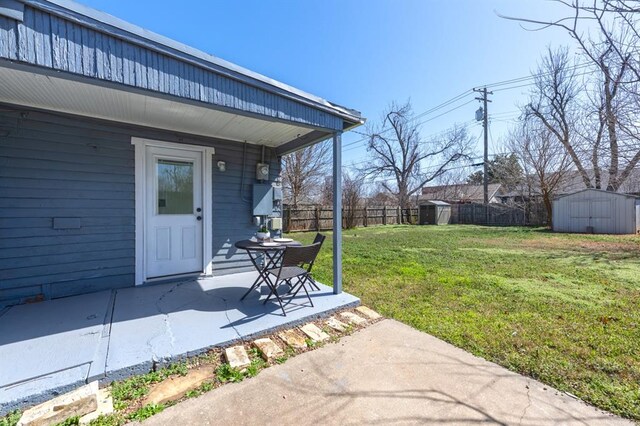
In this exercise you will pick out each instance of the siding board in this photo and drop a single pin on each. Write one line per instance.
(70, 167)
(53, 42)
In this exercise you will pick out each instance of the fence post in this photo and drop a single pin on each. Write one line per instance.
(317, 219)
(399, 215)
(364, 218)
(384, 215)
(285, 219)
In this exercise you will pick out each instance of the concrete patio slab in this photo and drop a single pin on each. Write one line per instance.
(387, 373)
(63, 343)
(49, 345)
(160, 323)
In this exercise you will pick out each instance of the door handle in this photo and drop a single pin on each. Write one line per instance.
(199, 217)
(198, 209)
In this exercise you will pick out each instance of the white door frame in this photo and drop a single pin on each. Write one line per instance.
(141, 145)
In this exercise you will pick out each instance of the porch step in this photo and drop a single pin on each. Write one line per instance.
(237, 357)
(293, 339)
(314, 332)
(268, 349)
(352, 318)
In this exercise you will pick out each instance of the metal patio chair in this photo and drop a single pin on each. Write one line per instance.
(319, 239)
(292, 266)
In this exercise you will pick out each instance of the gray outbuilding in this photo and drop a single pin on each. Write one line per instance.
(595, 211)
(434, 212)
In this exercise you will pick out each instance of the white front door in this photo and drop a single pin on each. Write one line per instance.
(173, 211)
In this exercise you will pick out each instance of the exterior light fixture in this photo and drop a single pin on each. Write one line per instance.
(222, 166)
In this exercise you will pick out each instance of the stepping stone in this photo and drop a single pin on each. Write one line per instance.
(237, 357)
(175, 387)
(293, 339)
(336, 324)
(352, 318)
(79, 402)
(314, 332)
(368, 312)
(268, 349)
(105, 407)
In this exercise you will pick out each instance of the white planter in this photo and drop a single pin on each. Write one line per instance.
(263, 235)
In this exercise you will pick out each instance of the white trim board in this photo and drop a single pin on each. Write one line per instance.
(141, 145)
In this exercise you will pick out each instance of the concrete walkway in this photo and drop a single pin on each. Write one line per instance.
(387, 373)
(54, 346)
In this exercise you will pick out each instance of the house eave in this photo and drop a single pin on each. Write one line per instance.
(105, 23)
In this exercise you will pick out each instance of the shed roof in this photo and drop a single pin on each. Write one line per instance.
(434, 202)
(600, 191)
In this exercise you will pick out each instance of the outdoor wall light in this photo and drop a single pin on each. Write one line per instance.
(222, 166)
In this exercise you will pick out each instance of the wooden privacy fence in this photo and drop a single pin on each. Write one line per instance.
(321, 218)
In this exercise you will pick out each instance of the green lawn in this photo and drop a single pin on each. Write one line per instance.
(564, 309)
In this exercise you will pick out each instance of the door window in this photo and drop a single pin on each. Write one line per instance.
(175, 187)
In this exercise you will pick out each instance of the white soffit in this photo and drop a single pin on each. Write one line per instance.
(63, 95)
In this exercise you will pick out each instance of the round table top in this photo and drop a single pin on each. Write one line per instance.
(254, 244)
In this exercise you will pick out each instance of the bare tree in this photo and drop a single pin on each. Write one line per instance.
(606, 32)
(303, 172)
(379, 196)
(545, 162)
(554, 103)
(404, 161)
(352, 191)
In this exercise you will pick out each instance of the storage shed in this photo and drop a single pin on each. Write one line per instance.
(597, 211)
(434, 212)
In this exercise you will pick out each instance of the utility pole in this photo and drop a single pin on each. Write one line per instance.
(485, 125)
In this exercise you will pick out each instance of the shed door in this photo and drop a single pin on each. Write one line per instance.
(174, 211)
(579, 215)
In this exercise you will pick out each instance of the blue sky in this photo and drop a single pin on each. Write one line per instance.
(364, 54)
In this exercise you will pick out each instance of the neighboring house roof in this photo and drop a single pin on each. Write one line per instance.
(459, 193)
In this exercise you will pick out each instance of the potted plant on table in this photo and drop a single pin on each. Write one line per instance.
(263, 233)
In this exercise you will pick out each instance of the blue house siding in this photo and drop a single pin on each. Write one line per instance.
(53, 42)
(67, 207)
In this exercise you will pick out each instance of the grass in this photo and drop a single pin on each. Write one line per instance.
(11, 419)
(561, 308)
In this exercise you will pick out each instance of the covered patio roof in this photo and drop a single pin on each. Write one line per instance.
(62, 56)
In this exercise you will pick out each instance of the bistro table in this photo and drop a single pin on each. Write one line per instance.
(263, 257)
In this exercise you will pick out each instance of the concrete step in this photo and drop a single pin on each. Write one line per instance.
(352, 318)
(336, 324)
(268, 349)
(314, 332)
(293, 339)
(79, 402)
(175, 387)
(368, 312)
(237, 357)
